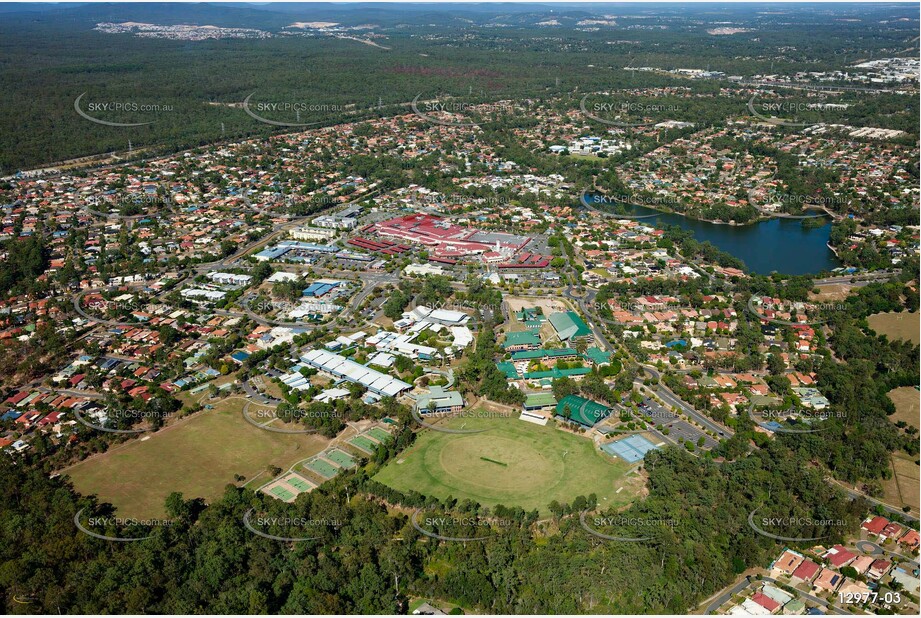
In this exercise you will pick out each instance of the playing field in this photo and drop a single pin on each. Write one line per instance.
(322, 468)
(903, 487)
(513, 463)
(197, 456)
(363, 444)
(341, 459)
(379, 434)
(901, 325)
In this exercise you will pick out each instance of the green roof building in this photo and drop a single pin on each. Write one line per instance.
(537, 401)
(598, 356)
(521, 340)
(555, 373)
(581, 410)
(509, 370)
(569, 326)
(440, 401)
(530, 314)
(541, 354)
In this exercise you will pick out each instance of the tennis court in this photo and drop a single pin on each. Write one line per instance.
(362, 443)
(300, 483)
(322, 468)
(288, 487)
(379, 434)
(631, 449)
(340, 459)
(282, 493)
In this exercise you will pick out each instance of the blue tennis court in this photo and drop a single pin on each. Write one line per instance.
(630, 449)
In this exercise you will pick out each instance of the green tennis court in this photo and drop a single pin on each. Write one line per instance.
(281, 493)
(379, 434)
(363, 443)
(341, 459)
(299, 483)
(322, 468)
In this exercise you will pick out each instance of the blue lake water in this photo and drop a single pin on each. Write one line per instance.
(781, 245)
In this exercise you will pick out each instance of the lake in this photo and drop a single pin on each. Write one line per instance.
(781, 245)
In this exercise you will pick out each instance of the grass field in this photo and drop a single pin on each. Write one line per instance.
(905, 485)
(901, 325)
(536, 471)
(197, 456)
(906, 405)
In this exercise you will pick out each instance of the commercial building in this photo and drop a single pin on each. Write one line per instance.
(423, 270)
(230, 278)
(343, 368)
(313, 233)
(439, 401)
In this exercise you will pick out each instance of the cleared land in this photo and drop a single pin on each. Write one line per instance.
(541, 464)
(901, 325)
(905, 485)
(197, 456)
(906, 399)
(904, 488)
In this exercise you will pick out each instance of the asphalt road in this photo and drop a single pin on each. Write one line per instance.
(745, 583)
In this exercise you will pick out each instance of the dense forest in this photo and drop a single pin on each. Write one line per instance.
(366, 557)
(48, 59)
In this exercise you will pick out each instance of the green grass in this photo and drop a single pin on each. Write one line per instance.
(197, 456)
(462, 465)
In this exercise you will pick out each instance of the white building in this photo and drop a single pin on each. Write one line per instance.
(314, 233)
(423, 270)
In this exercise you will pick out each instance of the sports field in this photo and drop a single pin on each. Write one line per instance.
(322, 468)
(363, 444)
(901, 325)
(341, 459)
(197, 456)
(513, 463)
(902, 488)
